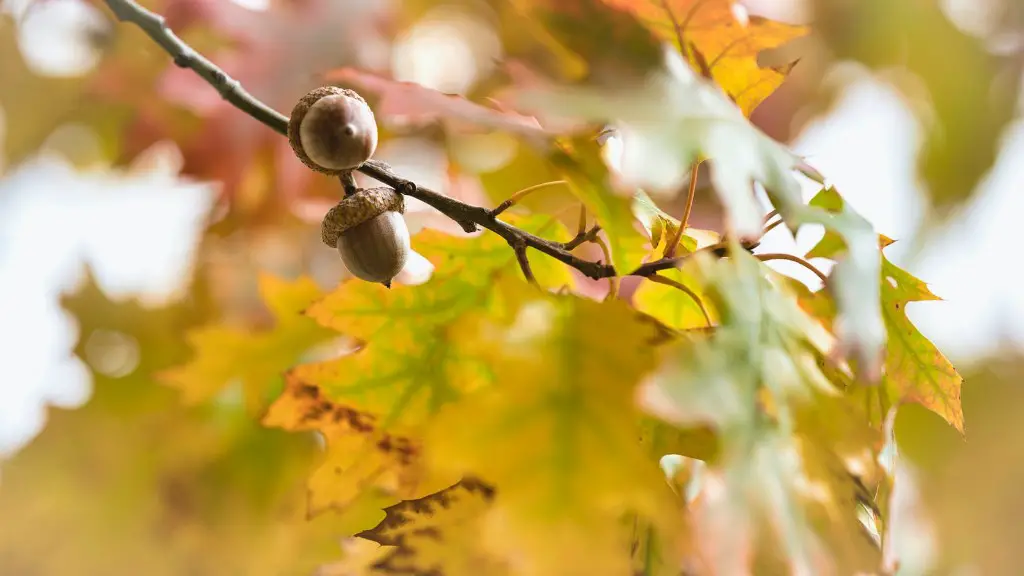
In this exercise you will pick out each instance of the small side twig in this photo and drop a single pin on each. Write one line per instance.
(524, 262)
(511, 200)
(797, 259)
(670, 249)
(581, 238)
(613, 281)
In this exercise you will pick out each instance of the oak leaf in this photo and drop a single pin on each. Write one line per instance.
(669, 121)
(719, 39)
(851, 241)
(752, 379)
(416, 357)
(555, 434)
(436, 534)
(915, 370)
(411, 103)
(225, 354)
(360, 455)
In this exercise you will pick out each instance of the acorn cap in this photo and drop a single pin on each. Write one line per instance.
(366, 204)
(299, 112)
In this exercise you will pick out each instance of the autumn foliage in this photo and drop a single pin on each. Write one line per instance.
(688, 409)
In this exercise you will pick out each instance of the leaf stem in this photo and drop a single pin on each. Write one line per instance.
(670, 250)
(511, 201)
(792, 258)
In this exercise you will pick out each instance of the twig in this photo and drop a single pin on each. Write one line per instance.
(582, 228)
(511, 201)
(771, 227)
(797, 259)
(670, 250)
(466, 215)
(685, 289)
(581, 237)
(524, 263)
(613, 281)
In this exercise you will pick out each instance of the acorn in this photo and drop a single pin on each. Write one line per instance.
(370, 233)
(332, 130)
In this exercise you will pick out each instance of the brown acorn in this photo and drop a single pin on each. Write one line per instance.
(370, 233)
(332, 130)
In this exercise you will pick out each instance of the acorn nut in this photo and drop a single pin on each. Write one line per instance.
(369, 232)
(332, 130)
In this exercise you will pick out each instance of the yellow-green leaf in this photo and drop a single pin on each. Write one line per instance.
(225, 354)
(673, 306)
(436, 534)
(360, 455)
(915, 370)
(557, 436)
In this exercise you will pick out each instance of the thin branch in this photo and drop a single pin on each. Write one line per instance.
(582, 228)
(797, 259)
(524, 262)
(768, 217)
(685, 289)
(466, 215)
(613, 281)
(582, 237)
(670, 250)
(511, 201)
(771, 227)
(185, 57)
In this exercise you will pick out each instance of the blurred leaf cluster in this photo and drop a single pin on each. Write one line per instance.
(717, 417)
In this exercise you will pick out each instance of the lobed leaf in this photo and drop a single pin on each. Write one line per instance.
(669, 121)
(783, 472)
(719, 39)
(408, 102)
(915, 370)
(556, 436)
(225, 354)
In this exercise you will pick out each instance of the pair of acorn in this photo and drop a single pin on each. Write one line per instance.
(332, 130)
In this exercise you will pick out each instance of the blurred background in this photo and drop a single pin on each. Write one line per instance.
(135, 204)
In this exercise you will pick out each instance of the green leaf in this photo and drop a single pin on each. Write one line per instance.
(757, 380)
(672, 306)
(224, 354)
(851, 241)
(671, 120)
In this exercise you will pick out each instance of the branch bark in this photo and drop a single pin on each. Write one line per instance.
(467, 215)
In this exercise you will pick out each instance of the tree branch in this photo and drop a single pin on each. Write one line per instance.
(467, 215)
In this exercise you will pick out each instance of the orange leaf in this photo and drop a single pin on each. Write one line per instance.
(719, 38)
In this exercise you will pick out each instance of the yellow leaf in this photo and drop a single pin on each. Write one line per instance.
(671, 305)
(360, 455)
(915, 370)
(727, 46)
(557, 435)
(225, 354)
(414, 361)
(436, 534)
